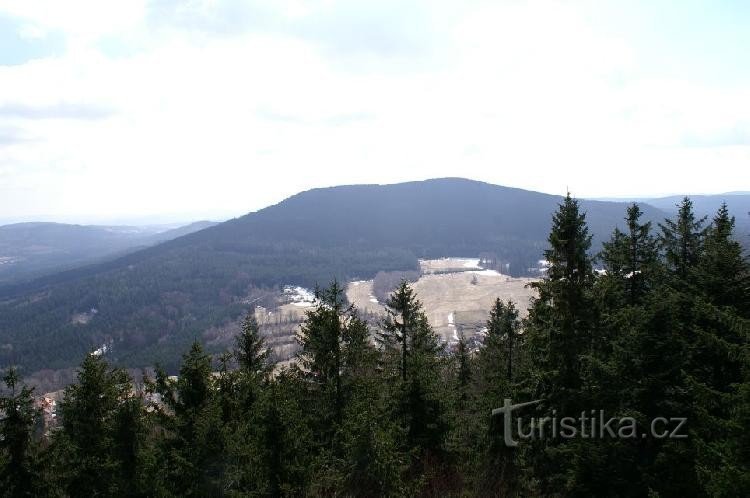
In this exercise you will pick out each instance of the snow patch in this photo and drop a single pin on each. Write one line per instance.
(299, 296)
(101, 351)
(487, 273)
(471, 263)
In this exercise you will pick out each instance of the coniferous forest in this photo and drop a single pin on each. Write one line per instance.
(654, 326)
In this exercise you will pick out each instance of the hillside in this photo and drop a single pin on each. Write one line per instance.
(32, 250)
(738, 204)
(150, 304)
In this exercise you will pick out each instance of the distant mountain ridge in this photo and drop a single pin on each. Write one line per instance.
(737, 202)
(32, 249)
(154, 301)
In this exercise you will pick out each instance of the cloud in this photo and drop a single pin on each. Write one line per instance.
(341, 119)
(235, 105)
(737, 135)
(22, 42)
(56, 111)
(12, 136)
(384, 28)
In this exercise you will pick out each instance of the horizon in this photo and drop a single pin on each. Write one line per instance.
(174, 219)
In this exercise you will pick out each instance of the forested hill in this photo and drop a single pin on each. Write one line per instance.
(31, 250)
(150, 304)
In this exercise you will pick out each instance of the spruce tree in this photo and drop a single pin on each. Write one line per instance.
(463, 371)
(19, 476)
(722, 271)
(561, 332)
(250, 350)
(412, 352)
(682, 242)
(89, 411)
(496, 465)
(334, 342)
(252, 357)
(561, 319)
(193, 446)
(631, 258)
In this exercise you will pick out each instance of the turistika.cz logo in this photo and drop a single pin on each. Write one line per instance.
(591, 424)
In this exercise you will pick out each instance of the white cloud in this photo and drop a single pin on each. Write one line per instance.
(220, 109)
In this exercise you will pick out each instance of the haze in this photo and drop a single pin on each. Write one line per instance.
(214, 108)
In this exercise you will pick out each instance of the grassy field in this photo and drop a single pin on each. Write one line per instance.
(454, 301)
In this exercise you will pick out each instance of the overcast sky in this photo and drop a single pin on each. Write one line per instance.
(123, 109)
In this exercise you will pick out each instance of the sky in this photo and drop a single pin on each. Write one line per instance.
(213, 108)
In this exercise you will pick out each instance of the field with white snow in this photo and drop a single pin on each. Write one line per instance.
(456, 294)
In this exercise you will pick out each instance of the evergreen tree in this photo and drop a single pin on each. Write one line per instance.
(19, 475)
(631, 258)
(251, 355)
(193, 446)
(682, 241)
(130, 448)
(89, 412)
(561, 330)
(496, 465)
(250, 350)
(463, 373)
(412, 352)
(561, 319)
(722, 271)
(324, 344)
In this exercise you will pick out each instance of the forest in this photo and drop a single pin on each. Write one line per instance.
(153, 303)
(654, 325)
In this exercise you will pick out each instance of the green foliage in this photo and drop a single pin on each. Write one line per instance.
(385, 410)
(682, 241)
(19, 465)
(98, 442)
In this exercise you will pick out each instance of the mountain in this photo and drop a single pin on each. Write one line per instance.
(29, 250)
(707, 205)
(148, 305)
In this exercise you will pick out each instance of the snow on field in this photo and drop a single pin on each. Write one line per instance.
(487, 273)
(449, 264)
(299, 296)
(452, 325)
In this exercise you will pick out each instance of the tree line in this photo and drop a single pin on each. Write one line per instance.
(654, 326)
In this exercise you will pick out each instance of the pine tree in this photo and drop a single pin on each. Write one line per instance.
(561, 330)
(717, 375)
(130, 448)
(19, 475)
(722, 271)
(193, 446)
(334, 343)
(464, 371)
(251, 355)
(338, 364)
(411, 349)
(561, 319)
(250, 350)
(496, 466)
(401, 324)
(682, 241)
(89, 411)
(324, 348)
(631, 258)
